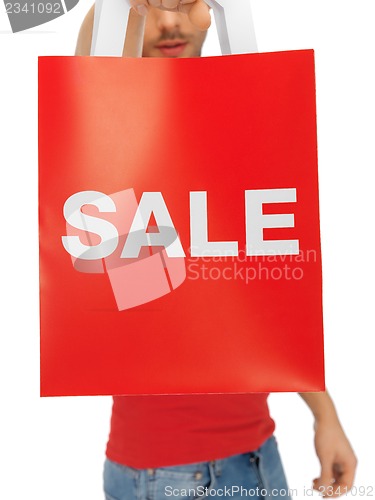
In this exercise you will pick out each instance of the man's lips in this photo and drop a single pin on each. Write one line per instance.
(172, 47)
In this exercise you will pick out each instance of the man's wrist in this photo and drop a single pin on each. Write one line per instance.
(322, 408)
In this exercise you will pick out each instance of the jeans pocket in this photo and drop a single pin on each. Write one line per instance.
(182, 485)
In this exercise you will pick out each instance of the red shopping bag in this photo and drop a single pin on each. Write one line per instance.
(179, 225)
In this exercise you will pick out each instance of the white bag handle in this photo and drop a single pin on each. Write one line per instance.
(233, 19)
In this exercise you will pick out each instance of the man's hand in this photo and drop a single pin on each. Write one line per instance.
(337, 459)
(197, 10)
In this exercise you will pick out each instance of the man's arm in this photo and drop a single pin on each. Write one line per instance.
(336, 456)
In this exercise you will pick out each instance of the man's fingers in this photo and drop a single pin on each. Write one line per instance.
(334, 483)
(197, 10)
(345, 478)
(199, 13)
(140, 6)
(170, 4)
(326, 490)
(326, 478)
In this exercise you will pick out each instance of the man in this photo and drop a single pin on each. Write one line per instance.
(190, 446)
(161, 30)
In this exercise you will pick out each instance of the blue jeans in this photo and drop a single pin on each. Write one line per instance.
(257, 475)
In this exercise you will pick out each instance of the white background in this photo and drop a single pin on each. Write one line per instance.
(53, 449)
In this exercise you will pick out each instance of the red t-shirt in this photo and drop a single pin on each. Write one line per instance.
(157, 431)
